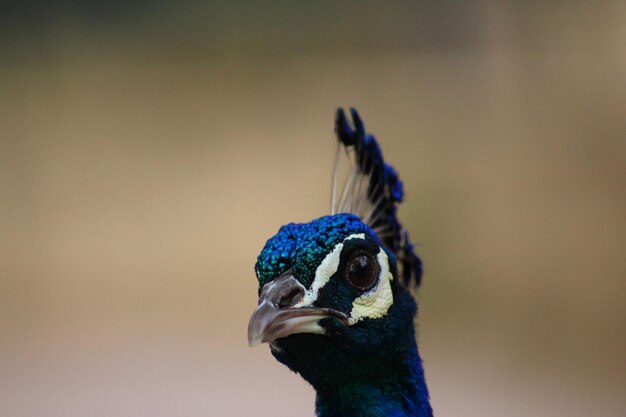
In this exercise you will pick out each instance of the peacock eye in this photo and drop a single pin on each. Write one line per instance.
(362, 271)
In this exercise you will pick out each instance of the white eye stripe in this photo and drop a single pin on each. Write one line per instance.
(376, 302)
(327, 269)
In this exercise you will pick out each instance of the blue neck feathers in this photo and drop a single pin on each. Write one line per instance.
(372, 369)
(399, 390)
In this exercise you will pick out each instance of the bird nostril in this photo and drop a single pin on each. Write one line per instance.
(290, 298)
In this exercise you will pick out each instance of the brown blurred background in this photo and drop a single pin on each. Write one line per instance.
(148, 150)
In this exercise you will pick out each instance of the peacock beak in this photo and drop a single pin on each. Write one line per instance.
(277, 315)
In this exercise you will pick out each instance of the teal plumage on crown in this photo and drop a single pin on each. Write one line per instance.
(301, 247)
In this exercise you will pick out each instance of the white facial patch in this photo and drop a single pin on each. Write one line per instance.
(373, 304)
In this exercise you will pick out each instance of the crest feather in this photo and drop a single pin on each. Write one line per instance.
(372, 191)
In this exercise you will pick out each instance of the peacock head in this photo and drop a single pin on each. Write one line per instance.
(338, 288)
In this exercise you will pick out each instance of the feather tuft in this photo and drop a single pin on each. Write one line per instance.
(372, 191)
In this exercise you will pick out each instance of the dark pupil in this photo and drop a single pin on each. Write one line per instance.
(361, 272)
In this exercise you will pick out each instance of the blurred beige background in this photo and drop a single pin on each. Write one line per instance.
(147, 151)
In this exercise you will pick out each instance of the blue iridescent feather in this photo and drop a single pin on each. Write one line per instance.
(301, 247)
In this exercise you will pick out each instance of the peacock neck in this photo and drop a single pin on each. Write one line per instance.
(396, 388)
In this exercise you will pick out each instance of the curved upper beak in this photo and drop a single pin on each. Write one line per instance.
(277, 315)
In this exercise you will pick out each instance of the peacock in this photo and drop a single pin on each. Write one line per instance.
(336, 295)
